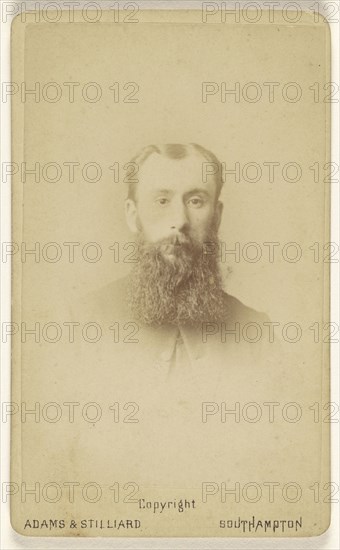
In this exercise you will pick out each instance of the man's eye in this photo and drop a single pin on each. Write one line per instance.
(195, 202)
(162, 201)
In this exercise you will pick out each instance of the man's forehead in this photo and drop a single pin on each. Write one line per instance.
(158, 168)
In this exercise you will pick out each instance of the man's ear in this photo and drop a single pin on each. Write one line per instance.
(218, 214)
(131, 215)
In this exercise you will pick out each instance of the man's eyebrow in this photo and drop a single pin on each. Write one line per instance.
(197, 191)
(156, 191)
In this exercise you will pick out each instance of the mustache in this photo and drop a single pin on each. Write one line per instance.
(178, 243)
(176, 240)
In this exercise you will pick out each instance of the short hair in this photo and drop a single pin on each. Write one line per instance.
(175, 151)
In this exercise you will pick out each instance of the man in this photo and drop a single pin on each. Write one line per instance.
(174, 294)
(176, 359)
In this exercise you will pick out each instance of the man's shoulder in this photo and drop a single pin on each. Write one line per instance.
(115, 289)
(236, 311)
(110, 299)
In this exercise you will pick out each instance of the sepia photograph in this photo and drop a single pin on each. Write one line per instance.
(171, 253)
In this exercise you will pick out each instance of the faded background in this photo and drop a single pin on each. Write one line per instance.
(171, 451)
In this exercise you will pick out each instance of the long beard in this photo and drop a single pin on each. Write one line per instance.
(176, 281)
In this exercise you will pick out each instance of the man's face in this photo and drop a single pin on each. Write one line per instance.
(174, 213)
(173, 203)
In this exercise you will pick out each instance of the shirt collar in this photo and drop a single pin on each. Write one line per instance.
(162, 340)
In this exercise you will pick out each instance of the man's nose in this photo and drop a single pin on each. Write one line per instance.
(179, 217)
